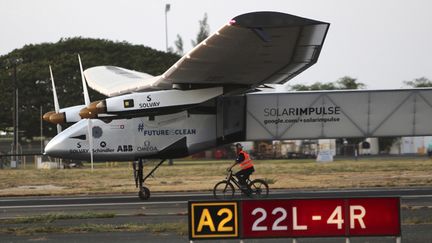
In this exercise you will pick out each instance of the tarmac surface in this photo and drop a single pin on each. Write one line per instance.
(416, 206)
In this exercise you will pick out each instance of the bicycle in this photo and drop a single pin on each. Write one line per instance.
(224, 189)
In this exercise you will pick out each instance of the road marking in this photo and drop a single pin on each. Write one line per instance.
(139, 203)
(189, 195)
(287, 193)
(306, 192)
(92, 204)
(416, 196)
(96, 197)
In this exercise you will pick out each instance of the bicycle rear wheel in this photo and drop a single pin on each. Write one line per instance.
(259, 188)
(223, 190)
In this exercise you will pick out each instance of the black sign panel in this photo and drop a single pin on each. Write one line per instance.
(213, 220)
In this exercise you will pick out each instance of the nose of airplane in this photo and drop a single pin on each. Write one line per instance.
(54, 146)
(62, 143)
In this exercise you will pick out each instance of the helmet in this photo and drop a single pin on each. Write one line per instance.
(238, 145)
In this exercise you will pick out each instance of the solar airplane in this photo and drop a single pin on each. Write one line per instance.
(197, 104)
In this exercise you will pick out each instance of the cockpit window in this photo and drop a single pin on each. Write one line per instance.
(80, 137)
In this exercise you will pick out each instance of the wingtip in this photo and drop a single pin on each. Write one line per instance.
(271, 19)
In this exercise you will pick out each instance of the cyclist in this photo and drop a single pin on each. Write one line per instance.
(246, 166)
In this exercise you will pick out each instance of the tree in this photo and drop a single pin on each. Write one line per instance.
(347, 82)
(314, 86)
(179, 45)
(34, 79)
(203, 32)
(419, 82)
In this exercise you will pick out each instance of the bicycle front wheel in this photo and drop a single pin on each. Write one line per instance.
(223, 190)
(259, 189)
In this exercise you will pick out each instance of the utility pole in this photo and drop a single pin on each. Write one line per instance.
(41, 130)
(15, 144)
(167, 8)
(16, 130)
(15, 120)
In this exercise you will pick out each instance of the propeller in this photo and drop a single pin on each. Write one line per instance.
(56, 103)
(87, 103)
(90, 110)
(85, 91)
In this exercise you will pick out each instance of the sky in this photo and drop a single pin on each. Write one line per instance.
(379, 42)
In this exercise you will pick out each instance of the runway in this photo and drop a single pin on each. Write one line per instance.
(172, 207)
(11, 206)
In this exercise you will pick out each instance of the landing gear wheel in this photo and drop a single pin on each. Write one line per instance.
(144, 194)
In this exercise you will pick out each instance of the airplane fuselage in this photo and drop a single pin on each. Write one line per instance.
(166, 136)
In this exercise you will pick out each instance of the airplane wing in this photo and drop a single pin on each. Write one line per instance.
(252, 49)
(112, 81)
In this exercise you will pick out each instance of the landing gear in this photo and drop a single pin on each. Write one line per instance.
(144, 192)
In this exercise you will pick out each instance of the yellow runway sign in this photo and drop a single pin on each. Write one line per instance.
(213, 220)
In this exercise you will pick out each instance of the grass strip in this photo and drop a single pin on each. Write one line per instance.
(203, 175)
(417, 220)
(178, 228)
(51, 217)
